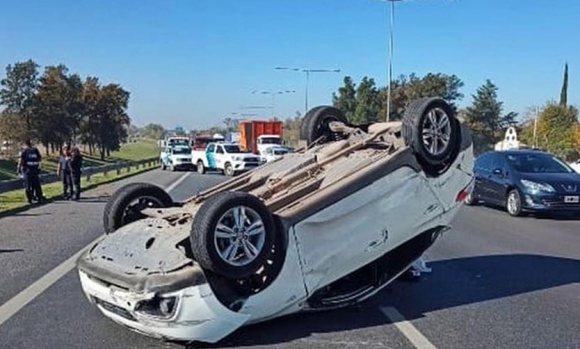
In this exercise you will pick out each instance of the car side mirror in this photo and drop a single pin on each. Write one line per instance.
(497, 171)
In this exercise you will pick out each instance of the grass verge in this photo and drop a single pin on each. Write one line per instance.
(15, 201)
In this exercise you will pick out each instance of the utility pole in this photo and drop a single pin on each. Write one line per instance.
(273, 95)
(308, 71)
(391, 49)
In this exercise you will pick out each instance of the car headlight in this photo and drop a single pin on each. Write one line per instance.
(160, 307)
(236, 158)
(537, 187)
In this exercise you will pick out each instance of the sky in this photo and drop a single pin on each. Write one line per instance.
(192, 63)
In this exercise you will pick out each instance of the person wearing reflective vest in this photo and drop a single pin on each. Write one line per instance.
(29, 167)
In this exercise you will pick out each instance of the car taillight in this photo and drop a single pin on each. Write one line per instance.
(464, 193)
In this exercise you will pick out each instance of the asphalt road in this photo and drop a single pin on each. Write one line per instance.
(497, 282)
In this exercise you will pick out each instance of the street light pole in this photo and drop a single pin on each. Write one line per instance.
(391, 49)
(273, 94)
(308, 71)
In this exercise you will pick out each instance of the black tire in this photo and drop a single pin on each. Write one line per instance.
(204, 242)
(306, 119)
(315, 125)
(163, 166)
(415, 121)
(517, 210)
(121, 210)
(229, 170)
(200, 167)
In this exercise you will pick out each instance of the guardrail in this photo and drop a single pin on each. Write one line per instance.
(118, 167)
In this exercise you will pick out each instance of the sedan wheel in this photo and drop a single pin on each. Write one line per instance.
(514, 203)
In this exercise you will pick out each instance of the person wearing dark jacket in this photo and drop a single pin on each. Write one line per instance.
(29, 167)
(64, 172)
(76, 164)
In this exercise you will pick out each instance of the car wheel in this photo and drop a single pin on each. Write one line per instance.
(316, 124)
(432, 130)
(232, 234)
(305, 119)
(162, 166)
(200, 167)
(229, 170)
(126, 204)
(514, 203)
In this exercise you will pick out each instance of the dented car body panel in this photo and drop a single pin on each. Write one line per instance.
(339, 208)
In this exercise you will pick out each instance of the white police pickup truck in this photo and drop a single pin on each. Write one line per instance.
(176, 157)
(225, 157)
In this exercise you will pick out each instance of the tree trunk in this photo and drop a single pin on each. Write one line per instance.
(102, 149)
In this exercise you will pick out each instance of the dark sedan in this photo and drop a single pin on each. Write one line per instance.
(525, 180)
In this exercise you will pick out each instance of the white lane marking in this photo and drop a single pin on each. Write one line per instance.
(12, 306)
(408, 330)
(177, 182)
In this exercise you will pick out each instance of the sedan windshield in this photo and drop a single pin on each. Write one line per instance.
(537, 163)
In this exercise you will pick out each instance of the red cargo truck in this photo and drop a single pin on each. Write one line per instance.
(257, 135)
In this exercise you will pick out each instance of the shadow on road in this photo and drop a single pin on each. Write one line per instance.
(554, 216)
(11, 250)
(453, 283)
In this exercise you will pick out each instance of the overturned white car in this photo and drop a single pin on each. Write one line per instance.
(323, 227)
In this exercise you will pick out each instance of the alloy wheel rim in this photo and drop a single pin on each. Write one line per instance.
(239, 236)
(436, 131)
(512, 203)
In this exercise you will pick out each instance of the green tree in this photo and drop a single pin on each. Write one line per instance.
(367, 102)
(484, 117)
(346, 99)
(564, 92)
(18, 91)
(113, 120)
(58, 107)
(557, 129)
(90, 99)
(153, 131)
(231, 124)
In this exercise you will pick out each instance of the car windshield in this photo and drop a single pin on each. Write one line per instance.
(233, 149)
(537, 163)
(182, 151)
(280, 151)
(270, 140)
(174, 142)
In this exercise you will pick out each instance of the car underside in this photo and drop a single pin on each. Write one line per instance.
(327, 226)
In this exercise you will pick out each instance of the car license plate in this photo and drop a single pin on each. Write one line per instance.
(571, 199)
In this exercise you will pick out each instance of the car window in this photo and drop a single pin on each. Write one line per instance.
(495, 162)
(211, 148)
(537, 163)
(483, 162)
(181, 151)
(232, 148)
(219, 149)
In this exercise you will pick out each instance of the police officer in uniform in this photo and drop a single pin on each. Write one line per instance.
(29, 167)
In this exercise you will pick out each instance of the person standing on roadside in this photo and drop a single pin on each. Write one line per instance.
(29, 167)
(76, 164)
(64, 172)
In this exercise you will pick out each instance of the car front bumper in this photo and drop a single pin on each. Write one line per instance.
(197, 314)
(551, 202)
(244, 165)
